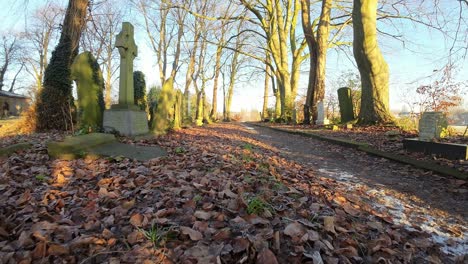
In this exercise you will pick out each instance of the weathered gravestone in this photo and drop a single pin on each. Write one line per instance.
(321, 114)
(346, 104)
(125, 117)
(294, 116)
(431, 125)
(86, 73)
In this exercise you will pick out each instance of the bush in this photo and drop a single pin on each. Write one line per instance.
(407, 123)
(139, 86)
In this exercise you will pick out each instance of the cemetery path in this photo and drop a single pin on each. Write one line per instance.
(411, 197)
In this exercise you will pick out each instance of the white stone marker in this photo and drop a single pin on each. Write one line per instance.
(321, 115)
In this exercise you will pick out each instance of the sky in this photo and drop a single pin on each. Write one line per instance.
(425, 51)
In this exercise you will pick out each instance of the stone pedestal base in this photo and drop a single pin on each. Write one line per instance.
(322, 122)
(127, 122)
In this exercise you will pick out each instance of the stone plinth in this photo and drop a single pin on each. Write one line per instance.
(431, 125)
(321, 114)
(444, 150)
(127, 122)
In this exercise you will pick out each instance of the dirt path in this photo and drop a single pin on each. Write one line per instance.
(416, 199)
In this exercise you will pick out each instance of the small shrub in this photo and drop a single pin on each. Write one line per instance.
(179, 150)
(41, 177)
(407, 123)
(247, 146)
(158, 235)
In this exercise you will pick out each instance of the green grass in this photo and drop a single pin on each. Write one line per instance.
(257, 206)
(41, 177)
(247, 146)
(180, 150)
(158, 236)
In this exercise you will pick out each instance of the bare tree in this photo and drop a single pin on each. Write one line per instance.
(278, 21)
(9, 53)
(99, 38)
(42, 33)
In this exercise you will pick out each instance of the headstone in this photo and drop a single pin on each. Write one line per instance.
(346, 104)
(431, 125)
(86, 73)
(294, 116)
(321, 114)
(125, 117)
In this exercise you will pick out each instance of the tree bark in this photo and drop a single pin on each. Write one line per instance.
(53, 109)
(372, 66)
(318, 46)
(266, 86)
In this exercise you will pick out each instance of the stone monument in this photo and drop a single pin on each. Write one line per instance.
(125, 117)
(321, 115)
(431, 125)
(346, 104)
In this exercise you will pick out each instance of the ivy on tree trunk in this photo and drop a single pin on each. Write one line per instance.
(54, 107)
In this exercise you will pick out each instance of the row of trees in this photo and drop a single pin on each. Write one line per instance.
(213, 43)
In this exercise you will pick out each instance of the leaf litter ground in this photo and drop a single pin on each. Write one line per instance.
(224, 194)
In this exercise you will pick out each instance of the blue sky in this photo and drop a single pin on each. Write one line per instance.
(425, 51)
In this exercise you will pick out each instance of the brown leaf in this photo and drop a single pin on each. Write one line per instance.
(25, 197)
(24, 240)
(266, 257)
(128, 204)
(57, 250)
(40, 250)
(350, 209)
(135, 237)
(202, 215)
(137, 220)
(347, 251)
(240, 244)
(329, 224)
(294, 230)
(193, 234)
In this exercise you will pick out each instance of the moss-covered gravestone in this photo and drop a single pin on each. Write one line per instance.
(164, 109)
(86, 73)
(346, 104)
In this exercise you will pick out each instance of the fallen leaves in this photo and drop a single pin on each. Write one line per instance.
(193, 234)
(188, 207)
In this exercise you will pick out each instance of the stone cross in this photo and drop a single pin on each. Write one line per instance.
(128, 51)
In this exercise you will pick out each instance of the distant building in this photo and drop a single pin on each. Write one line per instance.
(16, 102)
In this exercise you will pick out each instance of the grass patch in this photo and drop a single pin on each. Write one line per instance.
(247, 146)
(257, 206)
(180, 150)
(41, 178)
(157, 235)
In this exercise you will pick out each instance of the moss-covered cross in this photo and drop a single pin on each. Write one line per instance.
(128, 51)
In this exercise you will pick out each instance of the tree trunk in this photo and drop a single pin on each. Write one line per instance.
(266, 87)
(214, 104)
(318, 51)
(322, 46)
(372, 66)
(53, 109)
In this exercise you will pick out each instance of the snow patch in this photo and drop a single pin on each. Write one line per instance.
(340, 175)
